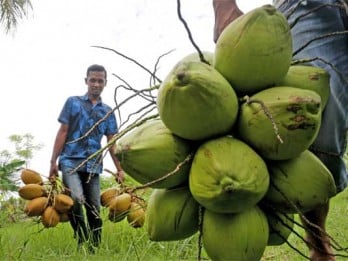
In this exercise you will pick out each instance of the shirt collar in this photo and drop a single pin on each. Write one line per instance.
(85, 97)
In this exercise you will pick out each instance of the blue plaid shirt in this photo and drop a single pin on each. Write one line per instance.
(80, 114)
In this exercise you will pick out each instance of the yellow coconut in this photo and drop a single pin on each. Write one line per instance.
(120, 203)
(136, 215)
(119, 207)
(36, 206)
(107, 195)
(62, 203)
(30, 191)
(50, 217)
(63, 217)
(29, 176)
(117, 216)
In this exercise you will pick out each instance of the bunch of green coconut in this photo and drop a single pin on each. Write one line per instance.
(228, 157)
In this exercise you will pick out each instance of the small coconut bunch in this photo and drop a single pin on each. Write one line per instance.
(122, 202)
(47, 200)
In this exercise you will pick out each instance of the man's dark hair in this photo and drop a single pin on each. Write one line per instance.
(96, 68)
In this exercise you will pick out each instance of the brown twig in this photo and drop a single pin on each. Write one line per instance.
(334, 243)
(177, 168)
(200, 230)
(319, 38)
(292, 11)
(105, 117)
(309, 60)
(113, 140)
(200, 53)
(130, 59)
(264, 108)
(152, 79)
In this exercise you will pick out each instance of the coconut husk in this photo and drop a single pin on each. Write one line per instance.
(62, 203)
(136, 215)
(29, 176)
(50, 217)
(171, 214)
(300, 184)
(236, 236)
(31, 191)
(63, 217)
(121, 203)
(36, 206)
(151, 151)
(107, 195)
(115, 216)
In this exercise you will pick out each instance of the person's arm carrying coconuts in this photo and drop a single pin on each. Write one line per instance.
(225, 12)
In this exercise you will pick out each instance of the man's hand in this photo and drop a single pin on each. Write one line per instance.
(53, 175)
(225, 12)
(119, 177)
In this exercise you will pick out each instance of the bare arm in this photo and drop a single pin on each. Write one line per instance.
(120, 173)
(57, 149)
(225, 12)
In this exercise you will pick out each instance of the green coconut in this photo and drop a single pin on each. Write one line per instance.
(228, 176)
(171, 214)
(300, 184)
(196, 102)
(280, 122)
(310, 78)
(207, 55)
(241, 236)
(151, 151)
(280, 227)
(255, 50)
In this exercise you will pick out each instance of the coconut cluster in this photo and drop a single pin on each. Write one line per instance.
(123, 204)
(46, 200)
(229, 155)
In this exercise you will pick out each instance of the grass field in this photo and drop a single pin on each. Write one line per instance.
(29, 241)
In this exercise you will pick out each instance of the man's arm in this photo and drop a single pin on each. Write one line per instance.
(57, 149)
(120, 174)
(225, 12)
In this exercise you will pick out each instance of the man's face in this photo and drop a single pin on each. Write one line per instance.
(96, 82)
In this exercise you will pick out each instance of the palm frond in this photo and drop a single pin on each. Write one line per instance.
(11, 11)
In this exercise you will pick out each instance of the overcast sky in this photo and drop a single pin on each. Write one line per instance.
(45, 60)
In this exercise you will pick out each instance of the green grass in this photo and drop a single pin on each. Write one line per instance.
(28, 240)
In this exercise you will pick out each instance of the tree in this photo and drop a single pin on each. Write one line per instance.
(11, 11)
(6, 177)
(9, 205)
(24, 146)
(11, 163)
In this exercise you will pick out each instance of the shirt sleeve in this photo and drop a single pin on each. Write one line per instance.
(66, 111)
(112, 126)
